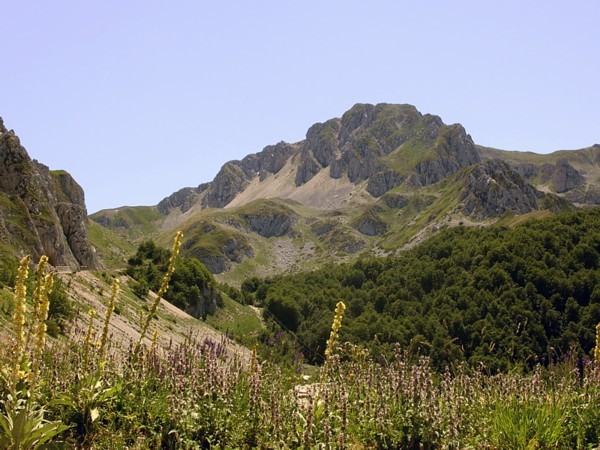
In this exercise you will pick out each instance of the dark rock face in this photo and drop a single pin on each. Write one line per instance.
(322, 141)
(527, 170)
(232, 250)
(322, 227)
(562, 176)
(234, 176)
(183, 199)
(368, 134)
(396, 201)
(344, 241)
(370, 227)
(269, 224)
(307, 169)
(454, 150)
(229, 182)
(383, 181)
(589, 196)
(52, 217)
(370, 224)
(215, 264)
(492, 188)
(210, 300)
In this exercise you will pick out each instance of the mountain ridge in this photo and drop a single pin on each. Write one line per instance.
(353, 154)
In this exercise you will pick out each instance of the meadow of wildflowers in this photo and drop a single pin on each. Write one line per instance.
(91, 392)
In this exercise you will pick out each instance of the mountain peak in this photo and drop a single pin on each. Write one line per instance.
(371, 149)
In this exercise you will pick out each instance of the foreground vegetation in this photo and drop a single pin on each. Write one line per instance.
(195, 395)
(92, 392)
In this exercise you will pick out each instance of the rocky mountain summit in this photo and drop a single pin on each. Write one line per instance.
(492, 188)
(381, 146)
(373, 150)
(41, 211)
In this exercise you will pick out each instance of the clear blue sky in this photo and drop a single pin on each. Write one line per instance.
(137, 99)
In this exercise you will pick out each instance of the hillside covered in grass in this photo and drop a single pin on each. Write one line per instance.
(496, 296)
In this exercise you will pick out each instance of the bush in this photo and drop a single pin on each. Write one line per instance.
(61, 309)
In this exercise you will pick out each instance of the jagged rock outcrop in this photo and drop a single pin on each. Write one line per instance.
(371, 226)
(233, 250)
(589, 196)
(183, 199)
(234, 176)
(369, 223)
(562, 176)
(385, 145)
(307, 168)
(343, 240)
(322, 140)
(210, 300)
(453, 150)
(492, 188)
(376, 139)
(396, 201)
(383, 180)
(216, 246)
(43, 211)
(228, 183)
(527, 170)
(321, 227)
(270, 224)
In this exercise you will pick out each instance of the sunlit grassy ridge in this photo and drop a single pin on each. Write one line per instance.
(133, 222)
(112, 248)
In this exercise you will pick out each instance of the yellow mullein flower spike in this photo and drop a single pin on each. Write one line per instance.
(109, 310)
(19, 316)
(335, 328)
(597, 349)
(39, 287)
(88, 338)
(42, 316)
(164, 286)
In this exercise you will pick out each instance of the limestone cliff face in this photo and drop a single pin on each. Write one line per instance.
(370, 224)
(210, 300)
(453, 150)
(492, 188)
(562, 176)
(388, 144)
(183, 199)
(234, 176)
(42, 212)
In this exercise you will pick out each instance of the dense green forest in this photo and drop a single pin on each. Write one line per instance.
(188, 282)
(497, 296)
